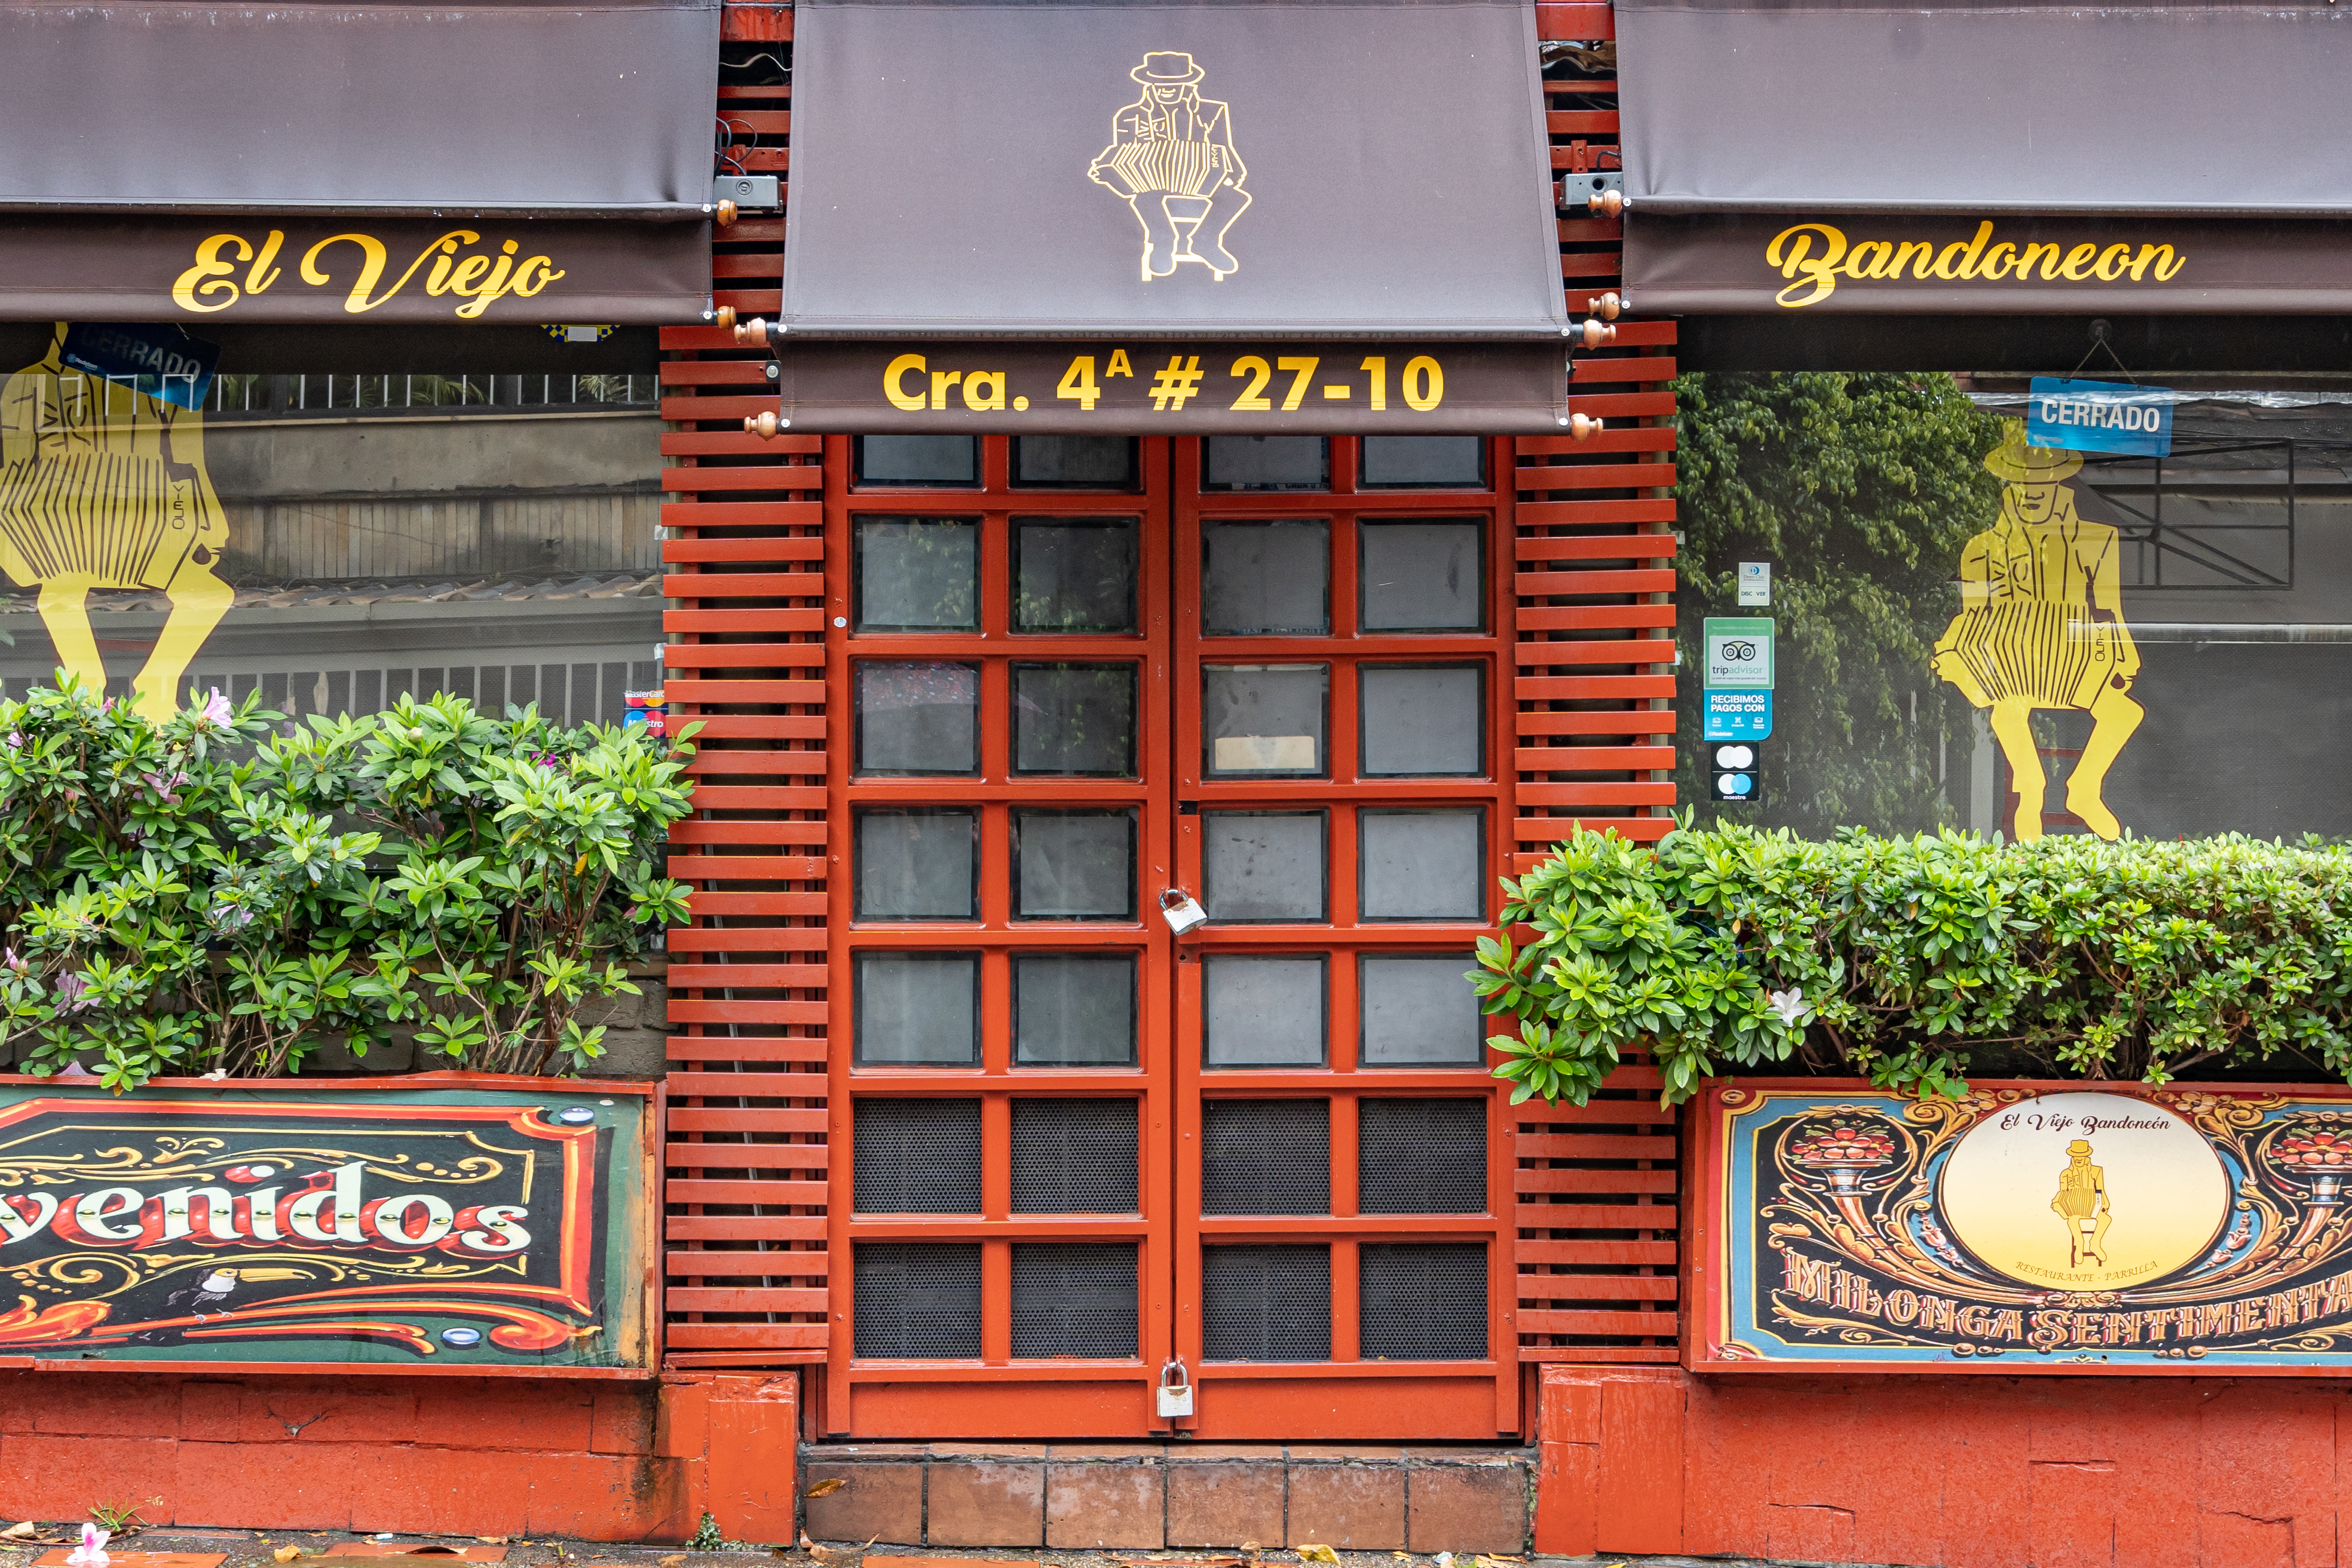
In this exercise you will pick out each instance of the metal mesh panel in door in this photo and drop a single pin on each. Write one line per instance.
(1424, 1301)
(917, 1156)
(1421, 1156)
(1266, 1303)
(1074, 1156)
(1072, 1298)
(1266, 1156)
(917, 1300)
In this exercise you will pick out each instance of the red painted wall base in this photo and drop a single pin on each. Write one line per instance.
(1976, 1472)
(443, 1456)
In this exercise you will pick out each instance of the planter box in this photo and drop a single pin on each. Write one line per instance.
(458, 1223)
(2030, 1226)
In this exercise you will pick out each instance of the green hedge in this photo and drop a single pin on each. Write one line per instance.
(1911, 961)
(207, 895)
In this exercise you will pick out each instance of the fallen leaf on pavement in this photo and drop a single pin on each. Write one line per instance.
(1309, 1551)
(24, 1531)
(1177, 1562)
(287, 1553)
(673, 1561)
(827, 1487)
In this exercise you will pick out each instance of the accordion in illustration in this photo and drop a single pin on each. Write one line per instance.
(128, 521)
(1170, 168)
(2053, 655)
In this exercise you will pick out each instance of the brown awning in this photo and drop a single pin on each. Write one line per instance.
(512, 107)
(1984, 108)
(242, 270)
(1172, 168)
(1157, 387)
(1792, 265)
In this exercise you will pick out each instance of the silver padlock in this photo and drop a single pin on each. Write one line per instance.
(1175, 1389)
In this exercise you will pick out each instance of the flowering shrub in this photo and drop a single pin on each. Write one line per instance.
(207, 895)
(1906, 959)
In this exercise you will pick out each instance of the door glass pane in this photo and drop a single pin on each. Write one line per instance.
(1074, 1298)
(919, 1008)
(1266, 1156)
(1423, 576)
(1262, 865)
(916, 1156)
(1075, 1156)
(1265, 463)
(1074, 719)
(1425, 462)
(1075, 462)
(1263, 1010)
(1073, 865)
(1423, 719)
(1264, 720)
(1422, 865)
(918, 717)
(918, 461)
(1265, 578)
(917, 1300)
(1419, 1010)
(1074, 1008)
(1265, 1303)
(1422, 1301)
(918, 574)
(1073, 576)
(917, 864)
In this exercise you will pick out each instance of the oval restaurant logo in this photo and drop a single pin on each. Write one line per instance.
(1816, 257)
(2086, 1192)
(230, 267)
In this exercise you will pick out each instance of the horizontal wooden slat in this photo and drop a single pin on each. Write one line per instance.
(1657, 1325)
(774, 1265)
(1659, 1253)
(684, 1336)
(766, 1118)
(746, 868)
(742, 1298)
(687, 1154)
(775, 1194)
(1584, 759)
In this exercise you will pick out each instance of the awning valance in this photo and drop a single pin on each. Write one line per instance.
(507, 108)
(1173, 168)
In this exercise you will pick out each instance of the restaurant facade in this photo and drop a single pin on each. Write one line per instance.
(1150, 515)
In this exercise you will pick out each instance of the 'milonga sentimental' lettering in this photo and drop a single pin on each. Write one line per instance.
(1817, 256)
(1818, 1280)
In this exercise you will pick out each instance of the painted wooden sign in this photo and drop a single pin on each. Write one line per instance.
(2023, 1228)
(473, 1229)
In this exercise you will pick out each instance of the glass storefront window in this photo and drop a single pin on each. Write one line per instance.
(1074, 575)
(1422, 865)
(1423, 719)
(1265, 720)
(1076, 719)
(1074, 1009)
(1423, 576)
(918, 574)
(1264, 1010)
(333, 542)
(917, 1009)
(914, 718)
(1073, 865)
(1264, 866)
(918, 864)
(1265, 579)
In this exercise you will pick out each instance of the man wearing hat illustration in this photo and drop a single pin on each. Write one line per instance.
(1171, 157)
(2042, 626)
(2082, 1203)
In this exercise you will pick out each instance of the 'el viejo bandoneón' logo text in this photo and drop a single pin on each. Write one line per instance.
(1817, 256)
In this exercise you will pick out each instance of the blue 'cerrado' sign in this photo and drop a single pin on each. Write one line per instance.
(2100, 417)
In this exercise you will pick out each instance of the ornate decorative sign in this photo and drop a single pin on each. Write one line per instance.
(2024, 1228)
(480, 1227)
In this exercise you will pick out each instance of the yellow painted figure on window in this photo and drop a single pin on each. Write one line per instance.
(2082, 1203)
(1171, 156)
(103, 486)
(2042, 626)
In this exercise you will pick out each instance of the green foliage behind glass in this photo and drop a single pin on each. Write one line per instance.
(1861, 490)
(205, 896)
(1912, 960)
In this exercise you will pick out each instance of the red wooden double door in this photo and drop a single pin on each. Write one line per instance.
(1076, 681)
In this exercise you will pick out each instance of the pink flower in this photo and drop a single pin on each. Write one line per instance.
(216, 710)
(91, 1553)
(11, 959)
(166, 789)
(70, 989)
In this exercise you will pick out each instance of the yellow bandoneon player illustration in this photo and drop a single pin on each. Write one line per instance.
(2042, 626)
(103, 486)
(1171, 156)
(2082, 1203)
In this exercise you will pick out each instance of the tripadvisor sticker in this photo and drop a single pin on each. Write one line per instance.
(1739, 654)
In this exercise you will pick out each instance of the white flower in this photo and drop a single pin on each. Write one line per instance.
(1790, 1005)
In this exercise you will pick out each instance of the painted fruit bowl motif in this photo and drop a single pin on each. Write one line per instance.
(2310, 1155)
(1843, 1144)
